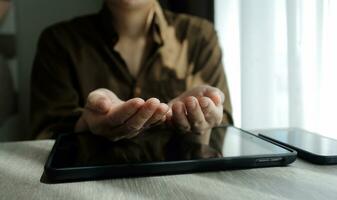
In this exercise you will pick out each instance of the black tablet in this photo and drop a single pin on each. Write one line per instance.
(310, 146)
(160, 151)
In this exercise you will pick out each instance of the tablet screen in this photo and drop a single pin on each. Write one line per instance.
(159, 145)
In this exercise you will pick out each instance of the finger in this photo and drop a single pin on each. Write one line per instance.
(195, 115)
(179, 118)
(169, 114)
(168, 118)
(119, 115)
(132, 135)
(137, 121)
(98, 102)
(163, 119)
(216, 95)
(107, 93)
(158, 115)
(212, 114)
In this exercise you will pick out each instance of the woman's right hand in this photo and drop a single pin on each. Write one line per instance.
(106, 115)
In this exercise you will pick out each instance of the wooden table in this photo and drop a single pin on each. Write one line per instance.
(21, 167)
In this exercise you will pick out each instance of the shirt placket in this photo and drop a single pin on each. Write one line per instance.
(140, 79)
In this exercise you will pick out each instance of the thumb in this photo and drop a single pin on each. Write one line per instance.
(101, 101)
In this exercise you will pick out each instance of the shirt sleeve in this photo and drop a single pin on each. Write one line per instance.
(208, 68)
(54, 99)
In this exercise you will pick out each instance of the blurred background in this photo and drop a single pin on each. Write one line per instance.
(279, 57)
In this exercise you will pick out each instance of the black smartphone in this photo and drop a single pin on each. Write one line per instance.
(310, 146)
(158, 151)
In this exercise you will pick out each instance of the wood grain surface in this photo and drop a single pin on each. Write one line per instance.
(21, 167)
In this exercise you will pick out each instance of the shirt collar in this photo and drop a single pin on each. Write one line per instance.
(160, 25)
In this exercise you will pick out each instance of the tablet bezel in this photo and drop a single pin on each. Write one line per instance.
(59, 175)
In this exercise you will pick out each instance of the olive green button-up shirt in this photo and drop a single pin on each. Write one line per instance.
(76, 57)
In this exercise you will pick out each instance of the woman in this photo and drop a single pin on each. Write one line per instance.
(127, 68)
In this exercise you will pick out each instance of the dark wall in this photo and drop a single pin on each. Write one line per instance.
(201, 8)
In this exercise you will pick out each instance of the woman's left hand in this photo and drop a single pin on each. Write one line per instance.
(197, 110)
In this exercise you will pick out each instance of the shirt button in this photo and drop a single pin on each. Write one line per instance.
(137, 91)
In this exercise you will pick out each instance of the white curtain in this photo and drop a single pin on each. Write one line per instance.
(280, 57)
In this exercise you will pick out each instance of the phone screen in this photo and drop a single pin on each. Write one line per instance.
(304, 140)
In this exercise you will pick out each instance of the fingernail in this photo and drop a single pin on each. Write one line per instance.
(215, 98)
(191, 103)
(165, 107)
(204, 103)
